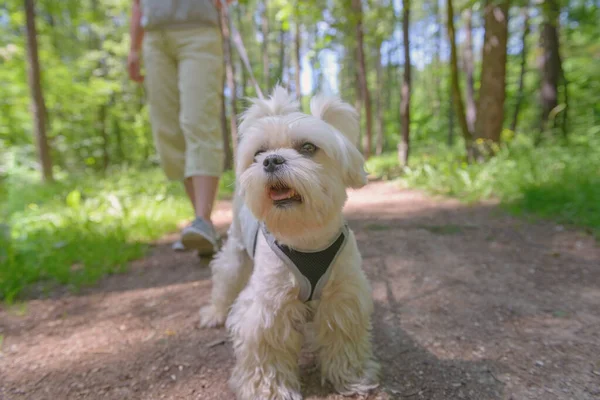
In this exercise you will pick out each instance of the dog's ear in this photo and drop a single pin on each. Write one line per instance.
(279, 103)
(342, 116)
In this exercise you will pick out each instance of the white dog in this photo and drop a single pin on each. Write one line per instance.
(290, 258)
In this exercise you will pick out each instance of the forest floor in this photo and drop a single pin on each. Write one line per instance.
(470, 304)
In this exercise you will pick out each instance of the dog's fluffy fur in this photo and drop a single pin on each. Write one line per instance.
(259, 299)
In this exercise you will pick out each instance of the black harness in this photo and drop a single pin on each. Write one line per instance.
(311, 268)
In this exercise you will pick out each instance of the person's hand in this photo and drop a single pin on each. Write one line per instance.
(134, 66)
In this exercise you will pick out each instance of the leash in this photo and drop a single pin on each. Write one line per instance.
(239, 45)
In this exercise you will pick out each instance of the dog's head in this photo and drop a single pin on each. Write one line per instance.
(294, 168)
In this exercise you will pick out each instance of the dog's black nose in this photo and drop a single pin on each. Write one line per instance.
(272, 162)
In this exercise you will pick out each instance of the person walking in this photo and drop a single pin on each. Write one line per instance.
(180, 44)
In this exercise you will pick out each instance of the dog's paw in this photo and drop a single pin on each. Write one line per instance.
(350, 386)
(264, 384)
(210, 317)
(280, 392)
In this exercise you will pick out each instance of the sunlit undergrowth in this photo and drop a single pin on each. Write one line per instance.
(554, 180)
(81, 228)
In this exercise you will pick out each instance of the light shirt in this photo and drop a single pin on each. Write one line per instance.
(178, 14)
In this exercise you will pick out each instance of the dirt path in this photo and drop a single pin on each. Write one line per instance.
(470, 304)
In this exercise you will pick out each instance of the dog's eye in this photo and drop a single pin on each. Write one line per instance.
(259, 152)
(308, 148)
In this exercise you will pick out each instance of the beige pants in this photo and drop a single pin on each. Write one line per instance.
(184, 71)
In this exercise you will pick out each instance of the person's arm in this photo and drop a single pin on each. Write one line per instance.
(136, 32)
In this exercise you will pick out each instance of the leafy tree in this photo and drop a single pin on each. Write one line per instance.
(229, 73)
(520, 94)
(550, 63)
(456, 92)
(95, 119)
(404, 148)
(38, 106)
(492, 92)
(469, 67)
(365, 94)
(265, 44)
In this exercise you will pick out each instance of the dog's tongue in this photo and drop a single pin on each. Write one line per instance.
(280, 194)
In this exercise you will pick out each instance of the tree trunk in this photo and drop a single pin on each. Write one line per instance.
(116, 129)
(38, 106)
(104, 136)
(362, 74)
(378, 105)
(492, 92)
(391, 75)
(102, 115)
(550, 63)
(230, 75)
(438, 48)
(265, 45)
(451, 121)
(565, 119)
(469, 68)
(297, 60)
(141, 103)
(456, 94)
(513, 124)
(281, 53)
(315, 66)
(243, 73)
(404, 147)
(358, 101)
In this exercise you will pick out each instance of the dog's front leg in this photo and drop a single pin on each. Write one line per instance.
(343, 338)
(267, 346)
(231, 269)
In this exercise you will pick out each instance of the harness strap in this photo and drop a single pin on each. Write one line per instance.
(311, 268)
(250, 228)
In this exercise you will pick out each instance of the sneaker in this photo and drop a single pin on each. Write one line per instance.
(178, 246)
(201, 236)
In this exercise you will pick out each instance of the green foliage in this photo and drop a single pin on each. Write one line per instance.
(80, 228)
(552, 181)
(94, 112)
(110, 199)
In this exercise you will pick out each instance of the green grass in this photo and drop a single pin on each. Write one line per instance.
(554, 181)
(79, 229)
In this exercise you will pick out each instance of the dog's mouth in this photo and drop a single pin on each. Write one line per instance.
(283, 195)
